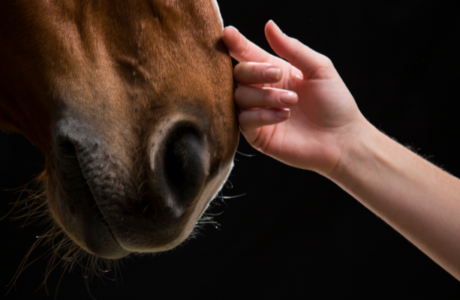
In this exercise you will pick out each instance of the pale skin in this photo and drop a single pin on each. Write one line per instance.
(300, 112)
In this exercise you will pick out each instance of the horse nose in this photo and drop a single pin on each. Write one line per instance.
(181, 165)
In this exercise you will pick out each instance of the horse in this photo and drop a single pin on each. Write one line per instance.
(131, 103)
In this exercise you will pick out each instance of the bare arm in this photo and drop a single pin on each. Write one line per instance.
(301, 113)
(418, 199)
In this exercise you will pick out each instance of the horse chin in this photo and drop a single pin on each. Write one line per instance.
(87, 227)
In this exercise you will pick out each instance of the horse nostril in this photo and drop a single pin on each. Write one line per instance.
(68, 165)
(67, 149)
(184, 163)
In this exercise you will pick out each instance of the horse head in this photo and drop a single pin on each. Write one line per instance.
(131, 103)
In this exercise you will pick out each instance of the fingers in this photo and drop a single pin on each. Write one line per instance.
(249, 97)
(261, 107)
(254, 73)
(311, 63)
(242, 49)
(253, 119)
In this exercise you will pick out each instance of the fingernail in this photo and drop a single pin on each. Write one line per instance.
(273, 74)
(288, 98)
(283, 114)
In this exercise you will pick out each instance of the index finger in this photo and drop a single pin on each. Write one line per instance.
(244, 50)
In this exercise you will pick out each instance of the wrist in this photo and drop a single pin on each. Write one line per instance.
(357, 149)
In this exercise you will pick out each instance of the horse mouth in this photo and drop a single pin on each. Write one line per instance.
(110, 212)
(82, 218)
(112, 207)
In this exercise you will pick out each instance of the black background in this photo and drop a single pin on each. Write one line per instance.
(294, 234)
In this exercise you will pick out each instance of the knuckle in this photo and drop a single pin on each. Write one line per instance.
(296, 47)
(325, 62)
(264, 116)
(245, 47)
(270, 97)
(324, 67)
(254, 71)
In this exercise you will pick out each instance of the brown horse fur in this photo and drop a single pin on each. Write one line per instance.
(116, 81)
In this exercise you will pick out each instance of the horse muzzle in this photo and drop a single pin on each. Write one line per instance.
(114, 200)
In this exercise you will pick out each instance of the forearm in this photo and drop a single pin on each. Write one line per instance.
(418, 199)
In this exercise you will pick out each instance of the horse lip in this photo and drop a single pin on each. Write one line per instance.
(93, 233)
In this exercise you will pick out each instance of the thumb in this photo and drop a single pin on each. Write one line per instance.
(300, 56)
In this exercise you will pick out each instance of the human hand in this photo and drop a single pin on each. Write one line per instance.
(300, 112)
